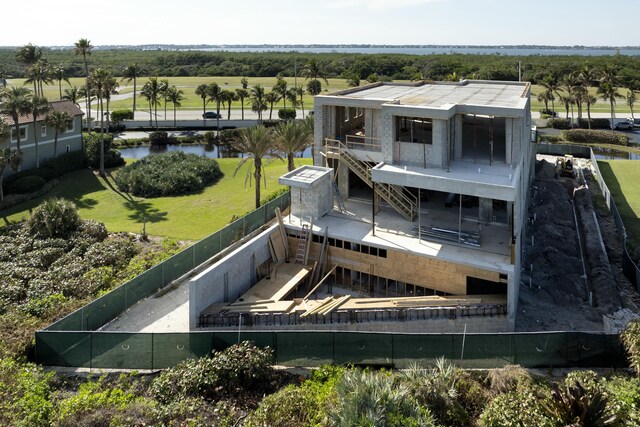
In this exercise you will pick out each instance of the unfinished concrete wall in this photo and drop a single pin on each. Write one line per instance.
(228, 278)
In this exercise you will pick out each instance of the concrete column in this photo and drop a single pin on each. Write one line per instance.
(368, 122)
(376, 117)
(458, 137)
(387, 130)
(440, 143)
(343, 180)
(509, 139)
(486, 210)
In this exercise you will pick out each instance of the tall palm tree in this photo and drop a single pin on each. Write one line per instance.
(39, 107)
(631, 100)
(313, 70)
(164, 88)
(110, 88)
(608, 90)
(29, 55)
(59, 74)
(132, 72)
(290, 138)
(545, 96)
(16, 102)
(228, 97)
(215, 95)
(201, 91)
(569, 83)
(99, 78)
(59, 121)
(152, 91)
(241, 94)
(258, 103)
(271, 98)
(257, 143)
(299, 91)
(146, 93)
(83, 47)
(589, 100)
(175, 96)
(281, 89)
(38, 73)
(551, 85)
(72, 94)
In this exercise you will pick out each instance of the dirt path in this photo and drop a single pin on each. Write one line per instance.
(557, 287)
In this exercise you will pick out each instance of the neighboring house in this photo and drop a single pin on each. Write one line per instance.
(68, 141)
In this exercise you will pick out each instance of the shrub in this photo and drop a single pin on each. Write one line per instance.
(595, 123)
(25, 391)
(574, 405)
(240, 368)
(53, 218)
(558, 123)
(516, 409)
(91, 142)
(631, 340)
(287, 114)
(27, 184)
(159, 138)
(120, 115)
(511, 378)
(169, 174)
(595, 136)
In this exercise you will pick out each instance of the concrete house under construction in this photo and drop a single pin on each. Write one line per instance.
(411, 218)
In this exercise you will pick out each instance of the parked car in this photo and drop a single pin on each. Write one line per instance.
(636, 122)
(624, 124)
(211, 115)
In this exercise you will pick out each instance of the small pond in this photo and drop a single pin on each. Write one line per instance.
(210, 151)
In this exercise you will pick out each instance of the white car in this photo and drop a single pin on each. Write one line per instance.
(625, 124)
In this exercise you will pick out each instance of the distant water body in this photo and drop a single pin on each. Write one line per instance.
(434, 50)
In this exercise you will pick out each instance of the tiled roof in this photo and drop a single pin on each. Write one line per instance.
(66, 106)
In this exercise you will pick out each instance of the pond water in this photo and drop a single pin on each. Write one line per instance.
(612, 154)
(210, 151)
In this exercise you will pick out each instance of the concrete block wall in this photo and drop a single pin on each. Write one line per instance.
(228, 278)
(314, 202)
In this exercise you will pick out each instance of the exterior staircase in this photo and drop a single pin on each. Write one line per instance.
(394, 195)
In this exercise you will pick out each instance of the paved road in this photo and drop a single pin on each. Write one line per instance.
(196, 114)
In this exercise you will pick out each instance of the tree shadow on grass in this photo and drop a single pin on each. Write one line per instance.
(141, 211)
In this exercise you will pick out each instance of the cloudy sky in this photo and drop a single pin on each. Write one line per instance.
(473, 22)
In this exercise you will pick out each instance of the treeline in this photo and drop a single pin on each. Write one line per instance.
(341, 65)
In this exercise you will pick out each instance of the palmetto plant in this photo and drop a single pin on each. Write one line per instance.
(241, 94)
(292, 137)
(271, 98)
(72, 94)
(573, 406)
(175, 96)
(258, 101)
(550, 85)
(201, 91)
(215, 95)
(16, 101)
(257, 143)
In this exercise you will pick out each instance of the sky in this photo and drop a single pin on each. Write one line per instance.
(393, 22)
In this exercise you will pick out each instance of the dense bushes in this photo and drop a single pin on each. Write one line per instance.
(595, 137)
(595, 123)
(559, 123)
(26, 184)
(120, 115)
(169, 174)
(54, 218)
(287, 114)
(91, 143)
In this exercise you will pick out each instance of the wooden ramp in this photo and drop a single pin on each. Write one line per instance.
(284, 279)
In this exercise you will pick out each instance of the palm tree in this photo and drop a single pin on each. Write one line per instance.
(241, 94)
(589, 100)
(215, 94)
(292, 95)
(608, 90)
(292, 137)
(8, 157)
(545, 96)
(38, 73)
(244, 82)
(72, 94)
(83, 47)
(151, 91)
(299, 90)
(569, 84)
(16, 102)
(201, 91)
(631, 100)
(175, 95)
(228, 97)
(29, 55)
(258, 103)
(550, 84)
(59, 121)
(99, 78)
(257, 143)
(39, 107)
(58, 73)
(88, 93)
(281, 89)
(110, 88)
(132, 72)
(164, 88)
(313, 70)
(271, 98)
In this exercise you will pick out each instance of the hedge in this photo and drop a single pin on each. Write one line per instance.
(595, 136)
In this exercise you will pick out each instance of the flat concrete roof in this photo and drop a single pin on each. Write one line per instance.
(440, 95)
(304, 177)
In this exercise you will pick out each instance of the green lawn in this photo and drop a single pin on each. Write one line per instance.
(622, 177)
(189, 217)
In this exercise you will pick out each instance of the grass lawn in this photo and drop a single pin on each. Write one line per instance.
(622, 177)
(189, 217)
